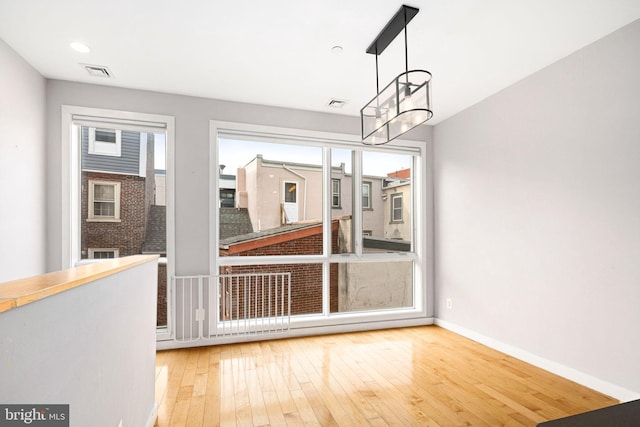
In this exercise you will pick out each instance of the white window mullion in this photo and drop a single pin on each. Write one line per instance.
(326, 230)
(326, 196)
(414, 203)
(357, 202)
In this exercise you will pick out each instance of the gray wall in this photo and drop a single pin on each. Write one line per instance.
(192, 117)
(22, 168)
(92, 347)
(537, 212)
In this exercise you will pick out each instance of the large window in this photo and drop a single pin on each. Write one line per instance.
(323, 210)
(117, 191)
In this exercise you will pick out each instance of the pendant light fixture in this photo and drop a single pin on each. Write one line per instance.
(405, 102)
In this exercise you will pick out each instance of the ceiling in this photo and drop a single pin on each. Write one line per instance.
(279, 52)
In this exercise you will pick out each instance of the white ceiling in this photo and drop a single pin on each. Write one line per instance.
(278, 52)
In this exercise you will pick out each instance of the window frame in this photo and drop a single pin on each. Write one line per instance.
(91, 215)
(72, 118)
(421, 220)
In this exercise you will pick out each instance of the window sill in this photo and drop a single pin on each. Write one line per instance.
(103, 220)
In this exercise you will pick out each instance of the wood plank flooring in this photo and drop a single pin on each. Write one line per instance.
(421, 376)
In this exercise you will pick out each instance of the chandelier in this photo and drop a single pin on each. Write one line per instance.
(405, 102)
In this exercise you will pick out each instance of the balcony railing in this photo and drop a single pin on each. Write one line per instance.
(232, 304)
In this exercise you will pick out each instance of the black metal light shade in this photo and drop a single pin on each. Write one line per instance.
(405, 102)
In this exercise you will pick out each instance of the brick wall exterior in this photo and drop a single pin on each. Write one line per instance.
(161, 319)
(306, 279)
(128, 234)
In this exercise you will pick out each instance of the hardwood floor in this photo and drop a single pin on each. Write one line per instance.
(421, 376)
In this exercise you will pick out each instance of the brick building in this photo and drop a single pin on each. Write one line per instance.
(124, 235)
(122, 211)
(292, 239)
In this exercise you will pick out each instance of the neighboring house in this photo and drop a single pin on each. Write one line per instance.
(117, 192)
(342, 199)
(400, 174)
(276, 193)
(396, 196)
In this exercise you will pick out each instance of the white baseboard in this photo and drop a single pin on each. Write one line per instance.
(153, 416)
(617, 392)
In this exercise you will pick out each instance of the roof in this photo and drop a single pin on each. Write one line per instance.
(267, 233)
(234, 222)
(402, 173)
(272, 236)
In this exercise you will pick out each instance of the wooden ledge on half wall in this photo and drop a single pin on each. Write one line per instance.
(17, 293)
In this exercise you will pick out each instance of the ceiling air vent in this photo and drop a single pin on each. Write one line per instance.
(336, 103)
(97, 70)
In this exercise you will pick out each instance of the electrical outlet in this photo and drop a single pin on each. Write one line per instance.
(449, 303)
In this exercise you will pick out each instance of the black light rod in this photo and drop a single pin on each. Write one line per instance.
(392, 29)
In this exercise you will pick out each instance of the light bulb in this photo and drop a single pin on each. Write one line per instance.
(378, 119)
(408, 105)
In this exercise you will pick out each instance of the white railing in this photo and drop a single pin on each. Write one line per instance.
(232, 304)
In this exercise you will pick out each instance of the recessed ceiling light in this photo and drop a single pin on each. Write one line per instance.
(80, 47)
(336, 50)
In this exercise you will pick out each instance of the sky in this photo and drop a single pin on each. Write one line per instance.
(159, 151)
(236, 154)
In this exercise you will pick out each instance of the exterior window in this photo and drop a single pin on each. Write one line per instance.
(104, 201)
(366, 195)
(105, 142)
(335, 193)
(290, 192)
(396, 207)
(102, 253)
(227, 198)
